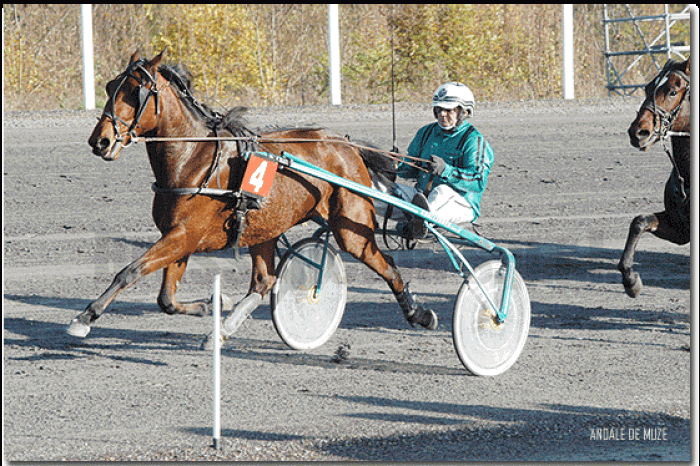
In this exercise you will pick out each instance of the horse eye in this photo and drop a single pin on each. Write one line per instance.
(673, 93)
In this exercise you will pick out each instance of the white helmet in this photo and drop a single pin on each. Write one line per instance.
(454, 94)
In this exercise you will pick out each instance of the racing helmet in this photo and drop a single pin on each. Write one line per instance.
(454, 94)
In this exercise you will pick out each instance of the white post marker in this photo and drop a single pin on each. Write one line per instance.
(216, 336)
(334, 54)
(88, 60)
(568, 53)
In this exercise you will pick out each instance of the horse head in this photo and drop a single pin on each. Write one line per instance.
(666, 107)
(132, 108)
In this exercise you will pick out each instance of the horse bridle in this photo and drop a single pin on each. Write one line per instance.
(145, 94)
(665, 118)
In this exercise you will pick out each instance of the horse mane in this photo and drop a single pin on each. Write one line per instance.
(671, 65)
(180, 78)
(675, 64)
(233, 121)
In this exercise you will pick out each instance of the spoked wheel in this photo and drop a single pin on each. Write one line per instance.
(485, 346)
(305, 317)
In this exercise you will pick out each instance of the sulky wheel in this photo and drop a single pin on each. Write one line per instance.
(485, 346)
(303, 318)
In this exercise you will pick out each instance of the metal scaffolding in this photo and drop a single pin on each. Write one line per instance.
(620, 82)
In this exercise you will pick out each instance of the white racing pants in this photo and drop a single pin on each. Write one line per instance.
(444, 202)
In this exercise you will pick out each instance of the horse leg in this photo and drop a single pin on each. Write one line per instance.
(630, 279)
(661, 226)
(673, 224)
(172, 275)
(262, 280)
(166, 250)
(358, 240)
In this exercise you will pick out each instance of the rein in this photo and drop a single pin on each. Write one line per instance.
(145, 92)
(254, 139)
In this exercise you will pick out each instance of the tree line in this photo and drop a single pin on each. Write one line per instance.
(276, 54)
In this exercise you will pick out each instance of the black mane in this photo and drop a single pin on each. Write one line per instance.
(181, 79)
(670, 66)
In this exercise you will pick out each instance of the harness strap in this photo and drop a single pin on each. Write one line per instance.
(666, 118)
(679, 178)
(145, 95)
(215, 164)
(195, 191)
(241, 201)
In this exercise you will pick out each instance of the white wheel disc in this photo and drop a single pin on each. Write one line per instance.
(303, 318)
(485, 346)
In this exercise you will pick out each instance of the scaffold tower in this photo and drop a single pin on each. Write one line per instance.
(635, 43)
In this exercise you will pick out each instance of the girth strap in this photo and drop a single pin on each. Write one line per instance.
(194, 191)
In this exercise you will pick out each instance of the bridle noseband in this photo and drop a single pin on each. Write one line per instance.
(665, 118)
(145, 94)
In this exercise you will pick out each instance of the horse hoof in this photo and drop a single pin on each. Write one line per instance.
(429, 320)
(426, 319)
(633, 286)
(207, 343)
(78, 329)
(208, 340)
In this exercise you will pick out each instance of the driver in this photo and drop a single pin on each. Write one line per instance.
(456, 161)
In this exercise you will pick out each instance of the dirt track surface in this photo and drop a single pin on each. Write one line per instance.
(598, 366)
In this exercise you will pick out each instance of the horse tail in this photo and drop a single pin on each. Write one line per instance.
(383, 171)
(377, 162)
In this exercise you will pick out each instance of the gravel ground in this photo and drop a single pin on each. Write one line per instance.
(603, 377)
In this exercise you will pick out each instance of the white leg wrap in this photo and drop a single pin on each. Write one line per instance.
(240, 313)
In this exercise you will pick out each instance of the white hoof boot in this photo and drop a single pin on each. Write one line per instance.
(234, 320)
(240, 313)
(78, 329)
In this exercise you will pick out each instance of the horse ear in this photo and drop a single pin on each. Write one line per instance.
(157, 59)
(135, 57)
(687, 66)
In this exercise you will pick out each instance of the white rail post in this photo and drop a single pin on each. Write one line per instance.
(88, 60)
(568, 40)
(216, 336)
(334, 54)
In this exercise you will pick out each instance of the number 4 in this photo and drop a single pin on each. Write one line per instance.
(257, 178)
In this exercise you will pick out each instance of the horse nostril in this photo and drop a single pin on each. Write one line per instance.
(101, 146)
(103, 143)
(643, 134)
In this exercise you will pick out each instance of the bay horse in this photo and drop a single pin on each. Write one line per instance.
(155, 101)
(664, 114)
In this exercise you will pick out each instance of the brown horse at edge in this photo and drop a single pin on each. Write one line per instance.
(665, 113)
(153, 100)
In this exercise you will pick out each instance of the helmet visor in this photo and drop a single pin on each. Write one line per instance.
(446, 105)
